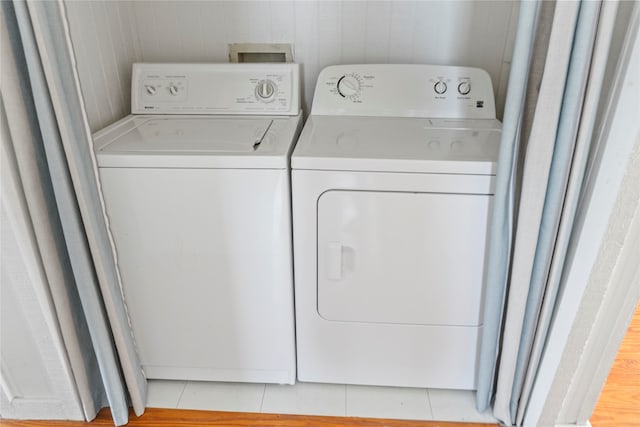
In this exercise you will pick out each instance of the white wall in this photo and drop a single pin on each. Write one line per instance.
(109, 36)
(105, 41)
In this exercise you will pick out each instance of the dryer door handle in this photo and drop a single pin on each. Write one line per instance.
(334, 261)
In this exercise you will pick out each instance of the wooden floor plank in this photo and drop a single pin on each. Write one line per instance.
(619, 402)
(173, 417)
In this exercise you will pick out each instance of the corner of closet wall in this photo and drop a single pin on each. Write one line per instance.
(503, 78)
(105, 42)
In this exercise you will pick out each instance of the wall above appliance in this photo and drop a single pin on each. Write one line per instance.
(465, 33)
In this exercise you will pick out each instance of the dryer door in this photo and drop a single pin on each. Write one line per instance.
(402, 258)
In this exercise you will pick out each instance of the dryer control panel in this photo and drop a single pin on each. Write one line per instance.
(391, 90)
(269, 89)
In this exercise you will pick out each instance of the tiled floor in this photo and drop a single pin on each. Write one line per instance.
(318, 399)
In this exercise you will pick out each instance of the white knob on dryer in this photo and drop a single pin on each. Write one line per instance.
(440, 87)
(151, 89)
(464, 88)
(348, 85)
(173, 90)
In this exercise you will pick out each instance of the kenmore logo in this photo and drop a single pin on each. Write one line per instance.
(148, 107)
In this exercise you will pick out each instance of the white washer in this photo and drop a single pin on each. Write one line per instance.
(198, 199)
(392, 185)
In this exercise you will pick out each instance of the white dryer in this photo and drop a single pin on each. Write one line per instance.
(392, 186)
(197, 190)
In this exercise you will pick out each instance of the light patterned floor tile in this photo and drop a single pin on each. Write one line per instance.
(456, 405)
(388, 402)
(164, 393)
(213, 396)
(305, 399)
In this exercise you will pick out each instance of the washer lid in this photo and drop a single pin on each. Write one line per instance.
(192, 135)
(398, 145)
(197, 141)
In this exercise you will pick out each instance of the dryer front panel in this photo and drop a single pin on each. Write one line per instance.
(401, 257)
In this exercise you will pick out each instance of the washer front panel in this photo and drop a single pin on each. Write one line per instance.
(205, 258)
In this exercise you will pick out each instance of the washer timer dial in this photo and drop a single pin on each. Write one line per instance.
(349, 86)
(266, 90)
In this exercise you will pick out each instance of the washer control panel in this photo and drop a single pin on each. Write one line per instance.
(404, 91)
(269, 89)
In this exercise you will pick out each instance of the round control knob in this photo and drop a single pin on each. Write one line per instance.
(348, 86)
(151, 89)
(440, 87)
(464, 88)
(265, 90)
(173, 90)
